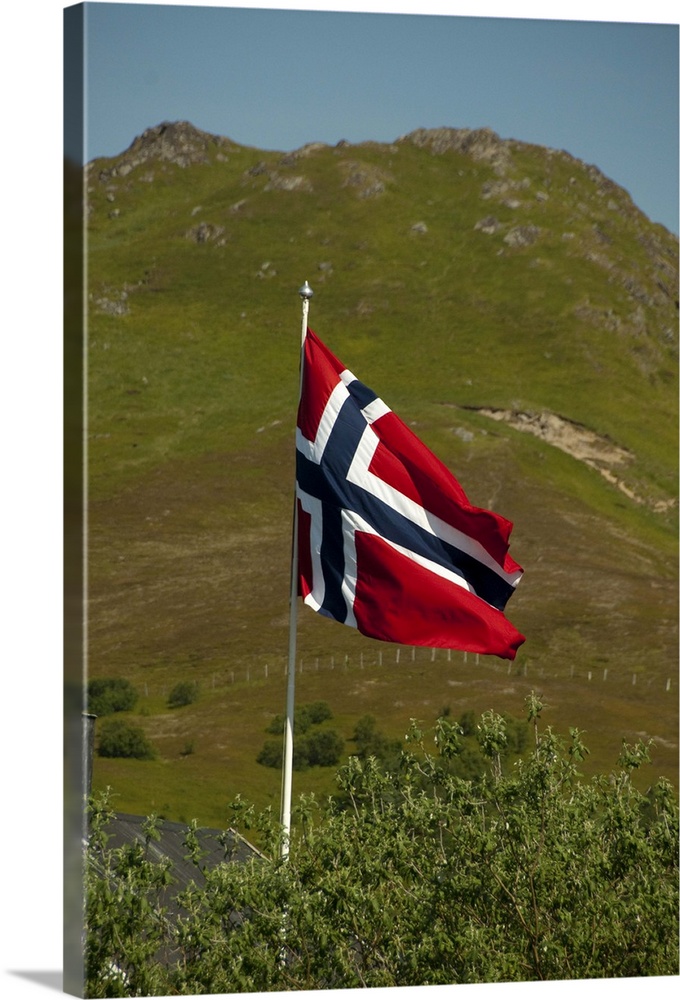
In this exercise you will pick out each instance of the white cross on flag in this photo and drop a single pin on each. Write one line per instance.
(387, 540)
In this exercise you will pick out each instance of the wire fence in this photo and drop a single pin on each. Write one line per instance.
(258, 672)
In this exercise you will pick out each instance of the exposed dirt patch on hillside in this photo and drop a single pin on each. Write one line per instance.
(594, 450)
(576, 440)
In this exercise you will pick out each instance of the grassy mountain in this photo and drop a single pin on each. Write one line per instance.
(507, 300)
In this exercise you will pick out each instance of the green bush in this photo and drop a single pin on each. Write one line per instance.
(318, 712)
(324, 748)
(372, 743)
(271, 754)
(110, 694)
(119, 739)
(468, 723)
(422, 879)
(182, 694)
(321, 749)
(277, 724)
(305, 717)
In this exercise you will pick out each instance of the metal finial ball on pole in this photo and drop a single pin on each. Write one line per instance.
(305, 294)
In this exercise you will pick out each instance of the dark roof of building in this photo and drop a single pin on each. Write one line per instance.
(218, 846)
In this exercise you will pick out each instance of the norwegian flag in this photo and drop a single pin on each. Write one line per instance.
(387, 540)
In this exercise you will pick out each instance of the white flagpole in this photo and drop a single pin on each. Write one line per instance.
(287, 788)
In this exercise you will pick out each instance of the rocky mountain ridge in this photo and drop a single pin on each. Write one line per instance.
(514, 205)
(183, 144)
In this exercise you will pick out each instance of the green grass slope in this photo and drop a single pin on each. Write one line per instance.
(456, 274)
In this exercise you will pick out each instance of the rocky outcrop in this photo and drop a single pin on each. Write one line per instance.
(180, 143)
(206, 232)
(287, 182)
(300, 154)
(481, 144)
(489, 224)
(277, 181)
(367, 179)
(522, 236)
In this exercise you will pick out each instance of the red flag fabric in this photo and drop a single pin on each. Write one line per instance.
(387, 540)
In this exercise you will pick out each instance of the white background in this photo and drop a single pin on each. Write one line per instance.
(31, 67)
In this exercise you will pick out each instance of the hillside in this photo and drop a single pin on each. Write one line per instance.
(508, 301)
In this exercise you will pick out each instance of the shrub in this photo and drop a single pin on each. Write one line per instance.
(318, 712)
(118, 739)
(271, 754)
(305, 717)
(468, 723)
(182, 694)
(372, 743)
(324, 748)
(276, 725)
(110, 694)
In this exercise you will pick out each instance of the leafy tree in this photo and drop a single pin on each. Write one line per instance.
(470, 760)
(183, 693)
(118, 739)
(110, 694)
(529, 872)
(125, 913)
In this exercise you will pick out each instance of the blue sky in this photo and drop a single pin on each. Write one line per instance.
(276, 79)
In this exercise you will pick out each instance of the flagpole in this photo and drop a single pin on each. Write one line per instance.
(287, 787)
